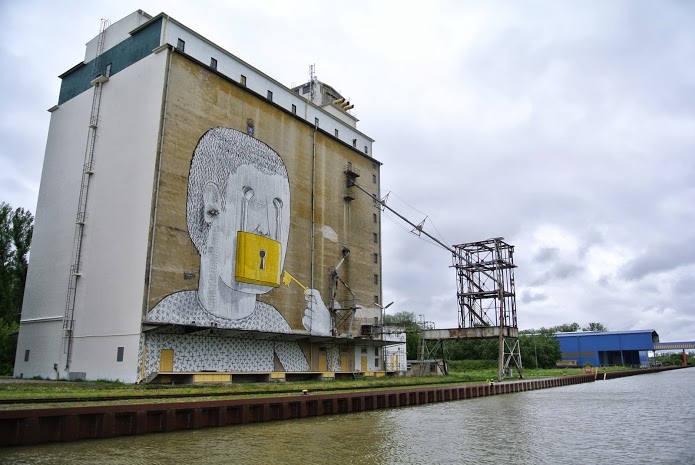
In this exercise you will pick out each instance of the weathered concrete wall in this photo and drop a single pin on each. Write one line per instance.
(199, 100)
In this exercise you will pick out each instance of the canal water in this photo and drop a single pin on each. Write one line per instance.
(634, 420)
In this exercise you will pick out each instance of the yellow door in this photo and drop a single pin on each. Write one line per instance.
(364, 363)
(343, 362)
(166, 360)
(322, 361)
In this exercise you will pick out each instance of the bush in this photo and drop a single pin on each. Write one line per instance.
(472, 365)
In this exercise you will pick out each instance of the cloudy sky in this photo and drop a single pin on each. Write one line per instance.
(568, 128)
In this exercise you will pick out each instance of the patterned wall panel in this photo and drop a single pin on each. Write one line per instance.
(213, 352)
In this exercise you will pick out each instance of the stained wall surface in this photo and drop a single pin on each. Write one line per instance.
(199, 100)
(232, 233)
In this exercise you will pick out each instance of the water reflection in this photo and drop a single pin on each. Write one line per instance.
(641, 419)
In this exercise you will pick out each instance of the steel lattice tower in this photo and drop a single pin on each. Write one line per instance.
(487, 296)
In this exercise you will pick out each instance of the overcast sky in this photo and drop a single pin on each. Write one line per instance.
(568, 128)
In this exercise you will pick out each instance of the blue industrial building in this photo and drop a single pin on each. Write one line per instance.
(607, 348)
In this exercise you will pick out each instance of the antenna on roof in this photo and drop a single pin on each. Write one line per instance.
(312, 79)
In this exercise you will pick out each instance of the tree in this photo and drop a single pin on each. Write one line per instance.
(598, 327)
(22, 233)
(7, 275)
(566, 328)
(407, 321)
(16, 230)
(473, 349)
(8, 345)
(540, 349)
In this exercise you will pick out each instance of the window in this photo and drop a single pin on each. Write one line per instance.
(375, 237)
(26, 355)
(376, 362)
(305, 89)
(366, 150)
(213, 63)
(119, 354)
(242, 80)
(364, 350)
(376, 299)
(316, 122)
(181, 45)
(376, 351)
(336, 133)
(374, 178)
(294, 108)
(354, 143)
(376, 279)
(374, 217)
(376, 258)
(270, 95)
(107, 71)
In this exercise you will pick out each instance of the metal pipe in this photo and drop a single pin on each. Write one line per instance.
(342, 260)
(419, 228)
(313, 203)
(313, 233)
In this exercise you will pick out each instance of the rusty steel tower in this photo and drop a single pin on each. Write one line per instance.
(485, 293)
(486, 299)
(487, 296)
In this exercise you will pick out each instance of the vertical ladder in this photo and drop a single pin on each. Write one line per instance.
(87, 171)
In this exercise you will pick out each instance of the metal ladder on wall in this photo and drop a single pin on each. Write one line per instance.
(87, 170)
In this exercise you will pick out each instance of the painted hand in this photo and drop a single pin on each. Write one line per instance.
(317, 318)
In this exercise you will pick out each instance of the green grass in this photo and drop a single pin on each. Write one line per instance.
(89, 389)
(96, 389)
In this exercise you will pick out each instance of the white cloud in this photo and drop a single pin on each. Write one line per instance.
(566, 128)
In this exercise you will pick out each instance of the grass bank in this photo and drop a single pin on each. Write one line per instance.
(33, 389)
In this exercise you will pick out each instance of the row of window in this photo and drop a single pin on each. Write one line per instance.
(181, 46)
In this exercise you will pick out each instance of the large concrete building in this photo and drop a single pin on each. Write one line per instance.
(195, 221)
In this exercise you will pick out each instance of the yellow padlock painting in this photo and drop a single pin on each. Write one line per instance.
(257, 260)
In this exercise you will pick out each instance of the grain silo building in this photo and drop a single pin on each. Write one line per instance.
(197, 221)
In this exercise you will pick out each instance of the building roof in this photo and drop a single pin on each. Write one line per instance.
(601, 333)
(166, 17)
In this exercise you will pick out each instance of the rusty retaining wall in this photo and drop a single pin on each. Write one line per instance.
(36, 426)
(622, 374)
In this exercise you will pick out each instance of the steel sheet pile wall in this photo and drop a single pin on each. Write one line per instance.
(622, 374)
(35, 426)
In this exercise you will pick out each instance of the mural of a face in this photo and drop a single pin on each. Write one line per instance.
(255, 204)
(245, 220)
